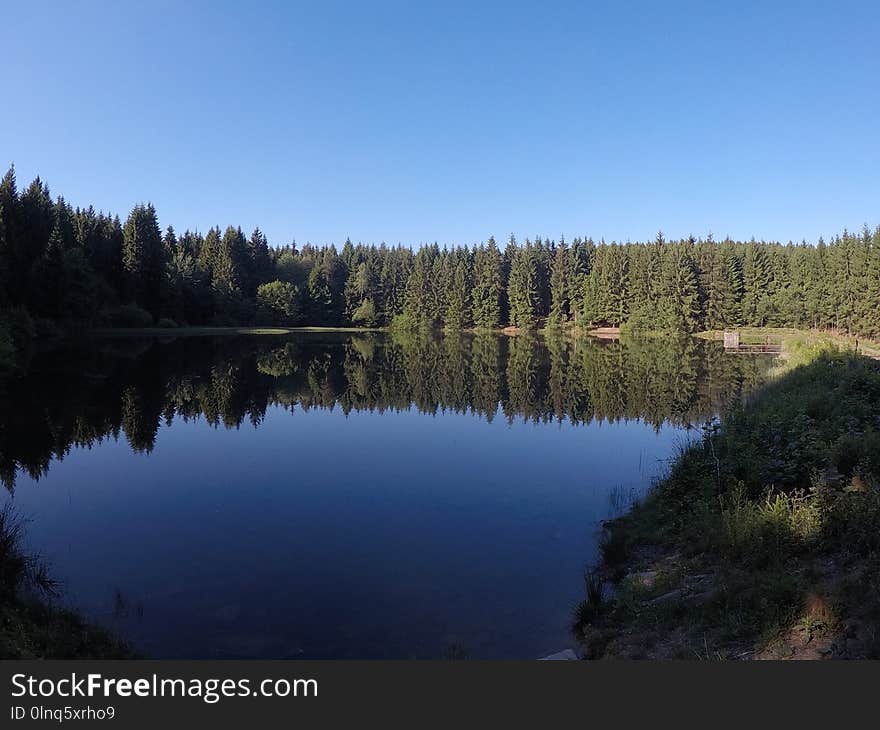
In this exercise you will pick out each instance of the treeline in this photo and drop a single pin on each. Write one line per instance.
(64, 265)
(129, 388)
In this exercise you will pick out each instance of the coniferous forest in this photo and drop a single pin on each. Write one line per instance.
(61, 265)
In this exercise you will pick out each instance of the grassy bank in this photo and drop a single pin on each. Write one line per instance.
(784, 335)
(31, 627)
(763, 539)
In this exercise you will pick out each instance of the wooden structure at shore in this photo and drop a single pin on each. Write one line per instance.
(735, 347)
(605, 333)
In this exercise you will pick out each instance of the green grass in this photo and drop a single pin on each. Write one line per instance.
(778, 506)
(788, 336)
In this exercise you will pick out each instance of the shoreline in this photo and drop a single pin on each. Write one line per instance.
(777, 335)
(32, 626)
(761, 540)
(666, 582)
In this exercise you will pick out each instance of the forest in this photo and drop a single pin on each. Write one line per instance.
(63, 267)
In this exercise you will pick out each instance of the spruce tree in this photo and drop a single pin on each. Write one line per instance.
(869, 311)
(756, 285)
(208, 251)
(560, 298)
(418, 295)
(683, 291)
(733, 269)
(720, 302)
(487, 286)
(142, 261)
(262, 267)
(522, 288)
(458, 301)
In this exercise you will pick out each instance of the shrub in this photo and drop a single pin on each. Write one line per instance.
(404, 323)
(129, 315)
(166, 323)
(278, 303)
(365, 314)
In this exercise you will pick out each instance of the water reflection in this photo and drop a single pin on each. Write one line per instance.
(331, 496)
(79, 396)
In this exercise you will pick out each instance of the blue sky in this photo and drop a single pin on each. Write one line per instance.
(410, 122)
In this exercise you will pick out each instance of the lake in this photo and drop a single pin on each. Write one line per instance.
(331, 495)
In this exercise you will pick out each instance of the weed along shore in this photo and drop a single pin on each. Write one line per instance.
(761, 541)
(31, 625)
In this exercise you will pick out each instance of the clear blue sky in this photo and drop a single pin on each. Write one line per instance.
(398, 122)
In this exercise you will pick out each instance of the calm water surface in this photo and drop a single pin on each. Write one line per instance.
(325, 496)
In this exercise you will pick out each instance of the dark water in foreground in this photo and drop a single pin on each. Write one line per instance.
(343, 496)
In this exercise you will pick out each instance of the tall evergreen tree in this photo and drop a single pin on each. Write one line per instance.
(142, 259)
(488, 271)
(683, 290)
(560, 287)
(756, 286)
(522, 288)
(417, 302)
(458, 301)
(262, 268)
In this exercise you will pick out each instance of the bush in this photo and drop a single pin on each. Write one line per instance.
(166, 323)
(128, 315)
(365, 314)
(404, 323)
(278, 303)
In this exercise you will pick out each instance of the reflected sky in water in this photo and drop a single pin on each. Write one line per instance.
(324, 496)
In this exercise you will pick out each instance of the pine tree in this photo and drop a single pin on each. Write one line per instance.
(46, 292)
(208, 251)
(782, 307)
(720, 303)
(393, 277)
(419, 291)
(869, 311)
(362, 288)
(169, 243)
(320, 298)
(616, 286)
(230, 276)
(756, 285)
(458, 302)
(560, 297)
(816, 286)
(9, 226)
(639, 280)
(522, 288)
(34, 223)
(142, 261)
(487, 286)
(733, 269)
(262, 267)
(683, 290)
(607, 290)
(578, 268)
